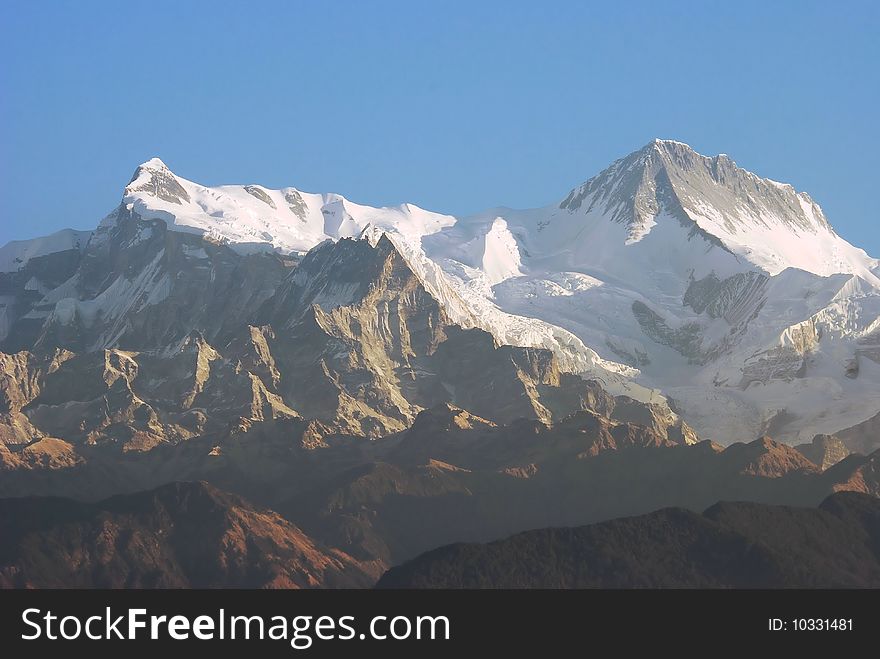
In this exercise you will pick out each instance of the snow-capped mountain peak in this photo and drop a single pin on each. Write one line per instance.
(669, 271)
(725, 290)
(762, 222)
(253, 217)
(153, 164)
(709, 213)
(153, 178)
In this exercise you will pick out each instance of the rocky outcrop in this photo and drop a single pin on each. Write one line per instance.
(856, 473)
(22, 377)
(154, 178)
(735, 298)
(686, 340)
(863, 437)
(41, 454)
(296, 203)
(785, 361)
(768, 459)
(259, 193)
(824, 451)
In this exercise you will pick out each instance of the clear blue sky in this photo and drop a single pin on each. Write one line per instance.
(455, 106)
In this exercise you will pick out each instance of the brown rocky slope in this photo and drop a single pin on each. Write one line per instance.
(182, 535)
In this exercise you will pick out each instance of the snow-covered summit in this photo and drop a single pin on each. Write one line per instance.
(762, 222)
(729, 292)
(147, 168)
(251, 215)
(703, 212)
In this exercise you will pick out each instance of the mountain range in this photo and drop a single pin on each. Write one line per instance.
(390, 380)
(731, 545)
(668, 276)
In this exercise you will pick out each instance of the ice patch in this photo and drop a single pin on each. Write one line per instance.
(501, 258)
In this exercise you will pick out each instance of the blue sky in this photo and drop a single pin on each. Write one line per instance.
(454, 106)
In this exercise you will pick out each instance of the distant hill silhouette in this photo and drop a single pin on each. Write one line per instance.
(731, 545)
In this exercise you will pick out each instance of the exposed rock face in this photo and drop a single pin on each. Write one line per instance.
(296, 203)
(177, 337)
(155, 179)
(260, 194)
(139, 286)
(686, 340)
(824, 451)
(136, 400)
(668, 175)
(863, 437)
(734, 299)
(731, 545)
(21, 380)
(183, 535)
(857, 473)
(41, 455)
(26, 285)
(768, 459)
